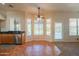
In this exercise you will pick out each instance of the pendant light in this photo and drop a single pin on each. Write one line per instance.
(38, 16)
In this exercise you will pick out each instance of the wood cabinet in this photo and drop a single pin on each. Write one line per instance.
(6, 38)
(12, 38)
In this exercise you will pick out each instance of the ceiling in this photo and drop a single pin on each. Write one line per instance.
(45, 7)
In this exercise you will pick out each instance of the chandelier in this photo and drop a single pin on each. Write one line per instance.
(39, 17)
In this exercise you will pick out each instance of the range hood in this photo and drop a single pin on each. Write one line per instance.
(2, 17)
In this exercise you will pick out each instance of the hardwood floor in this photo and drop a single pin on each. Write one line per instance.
(33, 48)
(68, 48)
(40, 48)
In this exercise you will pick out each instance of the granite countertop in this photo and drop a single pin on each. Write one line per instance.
(12, 32)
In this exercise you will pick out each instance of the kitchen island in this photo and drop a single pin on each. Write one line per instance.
(12, 37)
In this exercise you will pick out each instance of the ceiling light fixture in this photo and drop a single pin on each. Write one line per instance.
(39, 17)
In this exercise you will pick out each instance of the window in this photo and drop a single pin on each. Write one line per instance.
(78, 26)
(58, 30)
(73, 26)
(38, 27)
(29, 27)
(18, 27)
(48, 26)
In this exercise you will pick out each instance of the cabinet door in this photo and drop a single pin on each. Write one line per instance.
(4, 38)
(7, 38)
(10, 38)
(0, 39)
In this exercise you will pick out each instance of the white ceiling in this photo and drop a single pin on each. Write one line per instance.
(45, 7)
